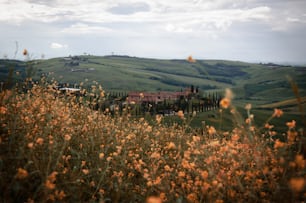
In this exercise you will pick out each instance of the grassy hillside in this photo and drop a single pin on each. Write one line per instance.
(261, 83)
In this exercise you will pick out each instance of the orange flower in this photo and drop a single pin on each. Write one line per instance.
(190, 59)
(192, 197)
(297, 184)
(3, 110)
(101, 155)
(248, 121)
(196, 138)
(211, 130)
(67, 137)
(171, 145)
(180, 114)
(225, 103)
(52, 176)
(163, 196)
(268, 126)
(291, 135)
(299, 160)
(235, 137)
(21, 173)
(153, 199)
(277, 113)
(49, 185)
(155, 155)
(204, 175)
(60, 195)
(85, 171)
(278, 144)
(182, 174)
(167, 168)
(30, 145)
(291, 124)
(40, 141)
(158, 118)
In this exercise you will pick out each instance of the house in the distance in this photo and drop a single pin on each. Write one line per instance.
(156, 97)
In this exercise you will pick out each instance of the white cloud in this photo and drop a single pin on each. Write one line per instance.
(117, 22)
(173, 28)
(183, 15)
(97, 11)
(55, 45)
(294, 20)
(81, 28)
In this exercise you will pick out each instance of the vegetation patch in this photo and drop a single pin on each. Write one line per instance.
(56, 148)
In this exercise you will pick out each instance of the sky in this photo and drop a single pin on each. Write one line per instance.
(244, 30)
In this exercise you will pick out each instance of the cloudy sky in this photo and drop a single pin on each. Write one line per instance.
(246, 30)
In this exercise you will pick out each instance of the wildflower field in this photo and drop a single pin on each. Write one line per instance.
(56, 149)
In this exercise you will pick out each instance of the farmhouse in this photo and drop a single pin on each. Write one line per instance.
(155, 97)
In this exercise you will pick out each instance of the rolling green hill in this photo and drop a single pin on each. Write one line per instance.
(261, 83)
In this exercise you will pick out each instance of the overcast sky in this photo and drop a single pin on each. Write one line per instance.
(246, 30)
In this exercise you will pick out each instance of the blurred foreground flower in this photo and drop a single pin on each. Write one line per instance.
(190, 59)
(25, 52)
(225, 103)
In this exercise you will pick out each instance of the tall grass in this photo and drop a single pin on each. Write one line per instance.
(55, 148)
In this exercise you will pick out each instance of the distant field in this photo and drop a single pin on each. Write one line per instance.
(259, 83)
